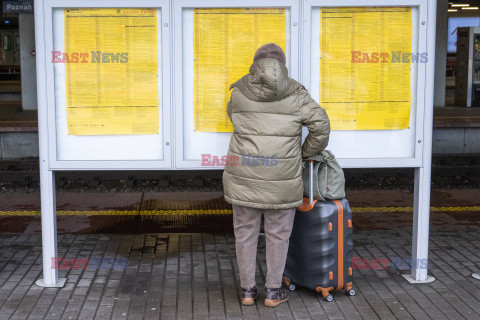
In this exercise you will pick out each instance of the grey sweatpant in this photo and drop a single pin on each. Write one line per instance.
(278, 224)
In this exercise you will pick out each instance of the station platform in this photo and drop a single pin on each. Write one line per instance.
(194, 276)
(456, 117)
(12, 118)
(456, 130)
(136, 264)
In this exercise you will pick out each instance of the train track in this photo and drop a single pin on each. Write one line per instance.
(447, 172)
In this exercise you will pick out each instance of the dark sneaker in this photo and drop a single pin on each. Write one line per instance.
(249, 296)
(273, 297)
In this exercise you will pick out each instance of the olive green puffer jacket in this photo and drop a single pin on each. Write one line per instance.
(268, 109)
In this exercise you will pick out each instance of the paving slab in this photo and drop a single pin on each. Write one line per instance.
(195, 276)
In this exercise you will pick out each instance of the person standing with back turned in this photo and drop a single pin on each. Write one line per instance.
(267, 109)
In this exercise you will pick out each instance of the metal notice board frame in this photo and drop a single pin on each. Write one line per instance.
(421, 161)
(178, 7)
(300, 25)
(47, 126)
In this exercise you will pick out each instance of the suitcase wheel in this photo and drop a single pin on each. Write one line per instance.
(326, 293)
(291, 287)
(350, 292)
(348, 289)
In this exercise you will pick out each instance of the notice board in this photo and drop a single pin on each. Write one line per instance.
(365, 67)
(111, 66)
(225, 41)
(116, 141)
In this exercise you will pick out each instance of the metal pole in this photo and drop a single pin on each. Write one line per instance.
(421, 221)
(421, 205)
(310, 163)
(47, 177)
(49, 229)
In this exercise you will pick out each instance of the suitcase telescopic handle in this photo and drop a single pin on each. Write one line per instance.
(310, 163)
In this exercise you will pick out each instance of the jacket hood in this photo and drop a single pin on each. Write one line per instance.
(267, 81)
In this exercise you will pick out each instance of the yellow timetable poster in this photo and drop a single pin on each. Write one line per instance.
(365, 61)
(225, 41)
(111, 63)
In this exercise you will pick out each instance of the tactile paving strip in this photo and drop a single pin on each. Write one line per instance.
(164, 212)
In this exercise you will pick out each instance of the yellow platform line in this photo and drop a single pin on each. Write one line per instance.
(218, 211)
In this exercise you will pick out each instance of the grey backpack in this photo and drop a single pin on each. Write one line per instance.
(328, 178)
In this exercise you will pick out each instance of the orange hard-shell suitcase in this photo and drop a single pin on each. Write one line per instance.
(321, 247)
